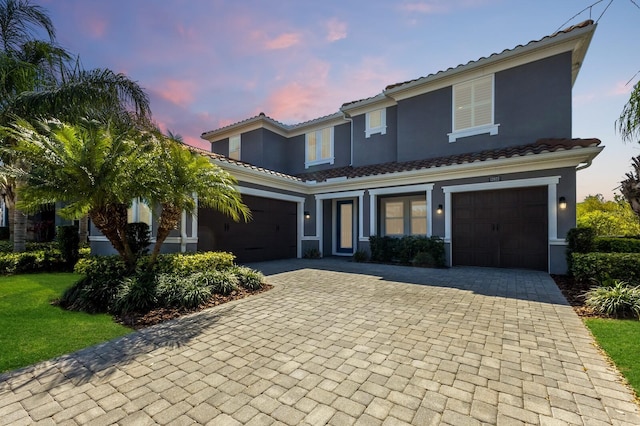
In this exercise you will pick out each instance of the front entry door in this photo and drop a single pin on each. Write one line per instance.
(345, 227)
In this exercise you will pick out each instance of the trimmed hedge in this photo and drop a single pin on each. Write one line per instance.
(600, 267)
(405, 249)
(617, 245)
(32, 261)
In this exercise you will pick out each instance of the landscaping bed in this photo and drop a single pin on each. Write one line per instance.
(156, 316)
(574, 292)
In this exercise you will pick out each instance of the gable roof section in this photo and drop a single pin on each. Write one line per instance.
(539, 147)
(575, 39)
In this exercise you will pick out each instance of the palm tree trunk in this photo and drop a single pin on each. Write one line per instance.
(630, 187)
(169, 219)
(111, 220)
(19, 228)
(83, 229)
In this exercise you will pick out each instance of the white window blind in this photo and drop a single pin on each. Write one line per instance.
(319, 147)
(234, 147)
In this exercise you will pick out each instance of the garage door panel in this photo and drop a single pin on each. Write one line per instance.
(271, 234)
(501, 228)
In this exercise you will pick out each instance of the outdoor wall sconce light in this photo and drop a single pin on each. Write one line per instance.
(562, 203)
(307, 215)
(439, 210)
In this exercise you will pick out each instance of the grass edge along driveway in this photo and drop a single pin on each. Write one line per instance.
(620, 339)
(33, 330)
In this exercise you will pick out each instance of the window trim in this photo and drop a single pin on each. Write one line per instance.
(318, 148)
(407, 214)
(381, 129)
(135, 212)
(239, 150)
(490, 128)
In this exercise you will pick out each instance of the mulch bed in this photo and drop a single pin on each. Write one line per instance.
(156, 316)
(574, 293)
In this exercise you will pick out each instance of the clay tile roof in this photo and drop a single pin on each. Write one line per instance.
(566, 30)
(224, 159)
(540, 146)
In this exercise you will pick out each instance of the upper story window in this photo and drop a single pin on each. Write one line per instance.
(234, 147)
(319, 147)
(376, 122)
(473, 107)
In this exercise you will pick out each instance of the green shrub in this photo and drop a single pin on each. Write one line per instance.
(90, 295)
(617, 245)
(28, 262)
(615, 298)
(360, 256)
(187, 292)
(68, 241)
(6, 246)
(187, 263)
(139, 237)
(248, 278)
(404, 249)
(221, 282)
(110, 269)
(135, 294)
(312, 253)
(602, 266)
(423, 259)
(579, 240)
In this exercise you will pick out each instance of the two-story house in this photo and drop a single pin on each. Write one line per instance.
(480, 154)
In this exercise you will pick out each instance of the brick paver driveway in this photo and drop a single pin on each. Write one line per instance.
(343, 343)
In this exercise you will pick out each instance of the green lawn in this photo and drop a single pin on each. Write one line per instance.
(32, 330)
(620, 339)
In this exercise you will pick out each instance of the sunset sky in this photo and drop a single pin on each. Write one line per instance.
(210, 63)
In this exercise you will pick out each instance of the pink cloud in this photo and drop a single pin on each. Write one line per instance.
(95, 26)
(622, 88)
(283, 41)
(179, 92)
(336, 30)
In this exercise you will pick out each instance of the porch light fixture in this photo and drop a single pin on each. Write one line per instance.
(439, 210)
(562, 203)
(307, 215)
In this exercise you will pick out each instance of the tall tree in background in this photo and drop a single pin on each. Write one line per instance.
(607, 218)
(40, 79)
(628, 124)
(26, 63)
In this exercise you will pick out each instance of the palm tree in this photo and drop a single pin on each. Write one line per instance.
(94, 168)
(97, 170)
(183, 174)
(37, 79)
(19, 22)
(25, 64)
(628, 125)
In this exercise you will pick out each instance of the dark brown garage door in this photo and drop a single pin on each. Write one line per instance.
(270, 235)
(503, 228)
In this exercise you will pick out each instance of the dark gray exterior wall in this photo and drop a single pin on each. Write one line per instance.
(295, 153)
(532, 101)
(377, 148)
(423, 124)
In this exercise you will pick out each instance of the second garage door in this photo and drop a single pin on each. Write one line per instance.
(502, 228)
(272, 234)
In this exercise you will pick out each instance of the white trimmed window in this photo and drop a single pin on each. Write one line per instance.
(234, 147)
(376, 122)
(404, 216)
(139, 212)
(319, 147)
(418, 217)
(473, 108)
